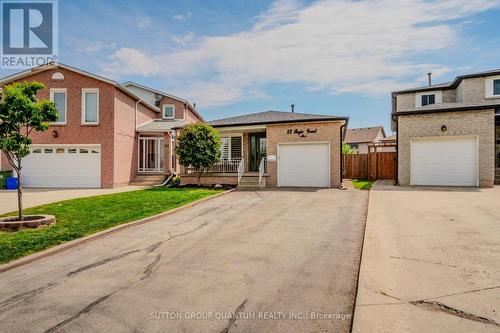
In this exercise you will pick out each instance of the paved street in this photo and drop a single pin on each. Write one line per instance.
(247, 260)
(430, 261)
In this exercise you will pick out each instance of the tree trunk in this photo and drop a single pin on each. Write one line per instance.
(19, 196)
(199, 177)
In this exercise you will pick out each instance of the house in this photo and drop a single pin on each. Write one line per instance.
(359, 138)
(449, 133)
(107, 135)
(277, 149)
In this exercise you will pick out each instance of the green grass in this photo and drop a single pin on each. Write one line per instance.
(84, 216)
(362, 184)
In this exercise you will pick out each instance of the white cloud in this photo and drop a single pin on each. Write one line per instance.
(183, 40)
(337, 46)
(183, 17)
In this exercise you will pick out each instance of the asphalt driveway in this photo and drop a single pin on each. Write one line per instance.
(270, 261)
(430, 261)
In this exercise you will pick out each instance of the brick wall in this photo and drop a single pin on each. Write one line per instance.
(480, 123)
(326, 131)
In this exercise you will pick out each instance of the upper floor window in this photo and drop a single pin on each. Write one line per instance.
(496, 87)
(428, 99)
(90, 106)
(168, 111)
(58, 96)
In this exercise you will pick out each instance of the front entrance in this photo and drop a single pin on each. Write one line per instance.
(151, 154)
(257, 144)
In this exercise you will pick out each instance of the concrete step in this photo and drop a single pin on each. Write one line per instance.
(147, 180)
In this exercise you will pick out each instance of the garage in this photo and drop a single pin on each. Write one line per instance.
(449, 161)
(304, 164)
(62, 166)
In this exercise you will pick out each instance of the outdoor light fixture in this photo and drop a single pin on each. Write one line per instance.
(444, 128)
(55, 134)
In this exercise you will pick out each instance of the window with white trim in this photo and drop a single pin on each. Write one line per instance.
(168, 111)
(496, 87)
(231, 147)
(427, 99)
(90, 106)
(58, 96)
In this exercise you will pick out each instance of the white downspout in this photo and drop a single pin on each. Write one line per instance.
(136, 110)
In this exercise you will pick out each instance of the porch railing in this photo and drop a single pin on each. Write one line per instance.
(241, 170)
(225, 165)
(262, 169)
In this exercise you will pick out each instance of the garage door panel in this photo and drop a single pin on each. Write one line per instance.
(304, 165)
(66, 167)
(444, 161)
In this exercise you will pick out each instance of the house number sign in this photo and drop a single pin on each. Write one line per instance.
(301, 133)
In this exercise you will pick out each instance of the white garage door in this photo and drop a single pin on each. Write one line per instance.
(62, 166)
(305, 164)
(444, 161)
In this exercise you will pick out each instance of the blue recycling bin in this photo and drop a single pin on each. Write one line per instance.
(12, 183)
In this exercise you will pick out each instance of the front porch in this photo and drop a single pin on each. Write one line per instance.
(243, 160)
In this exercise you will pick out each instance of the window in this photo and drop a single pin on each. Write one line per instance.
(168, 111)
(48, 150)
(58, 96)
(90, 106)
(496, 87)
(428, 99)
(84, 151)
(231, 147)
(37, 151)
(353, 146)
(71, 150)
(59, 150)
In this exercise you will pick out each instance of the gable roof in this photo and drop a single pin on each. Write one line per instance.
(272, 117)
(161, 125)
(35, 70)
(450, 85)
(365, 134)
(189, 105)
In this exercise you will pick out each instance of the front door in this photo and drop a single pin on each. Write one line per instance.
(257, 150)
(151, 154)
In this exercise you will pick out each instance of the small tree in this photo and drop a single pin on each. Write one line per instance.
(21, 113)
(347, 150)
(198, 145)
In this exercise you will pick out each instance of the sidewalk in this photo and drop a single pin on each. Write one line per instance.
(430, 261)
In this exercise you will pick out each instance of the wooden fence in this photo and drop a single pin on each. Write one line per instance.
(370, 166)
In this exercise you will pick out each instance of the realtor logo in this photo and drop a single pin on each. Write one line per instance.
(29, 33)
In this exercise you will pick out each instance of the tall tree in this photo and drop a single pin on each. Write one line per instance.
(21, 113)
(198, 145)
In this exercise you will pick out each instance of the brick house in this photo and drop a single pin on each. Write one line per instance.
(107, 135)
(277, 149)
(449, 134)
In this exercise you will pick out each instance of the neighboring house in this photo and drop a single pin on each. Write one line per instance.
(107, 133)
(284, 148)
(449, 134)
(359, 138)
(387, 144)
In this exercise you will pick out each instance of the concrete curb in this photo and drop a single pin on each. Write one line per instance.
(77, 242)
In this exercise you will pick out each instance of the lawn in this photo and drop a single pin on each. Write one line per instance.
(84, 216)
(362, 184)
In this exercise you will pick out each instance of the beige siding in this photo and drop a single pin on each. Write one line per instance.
(480, 123)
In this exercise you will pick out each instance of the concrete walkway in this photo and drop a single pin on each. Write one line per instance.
(35, 197)
(430, 261)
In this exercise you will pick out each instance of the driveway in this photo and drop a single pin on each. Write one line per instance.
(35, 197)
(430, 261)
(269, 261)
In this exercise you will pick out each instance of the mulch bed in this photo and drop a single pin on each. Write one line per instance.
(207, 187)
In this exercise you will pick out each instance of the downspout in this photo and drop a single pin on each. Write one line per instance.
(136, 110)
(342, 128)
(396, 181)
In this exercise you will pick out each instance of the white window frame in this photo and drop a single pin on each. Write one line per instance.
(60, 90)
(84, 91)
(488, 88)
(163, 111)
(229, 136)
(438, 97)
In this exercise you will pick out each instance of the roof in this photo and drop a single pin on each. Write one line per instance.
(450, 85)
(272, 117)
(45, 67)
(451, 107)
(365, 134)
(190, 106)
(160, 125)
(389, 138)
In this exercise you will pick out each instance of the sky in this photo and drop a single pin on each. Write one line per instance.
(235, 57)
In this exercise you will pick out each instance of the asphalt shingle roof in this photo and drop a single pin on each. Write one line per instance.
(366, 134)
(270, 117)
(160, 125)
